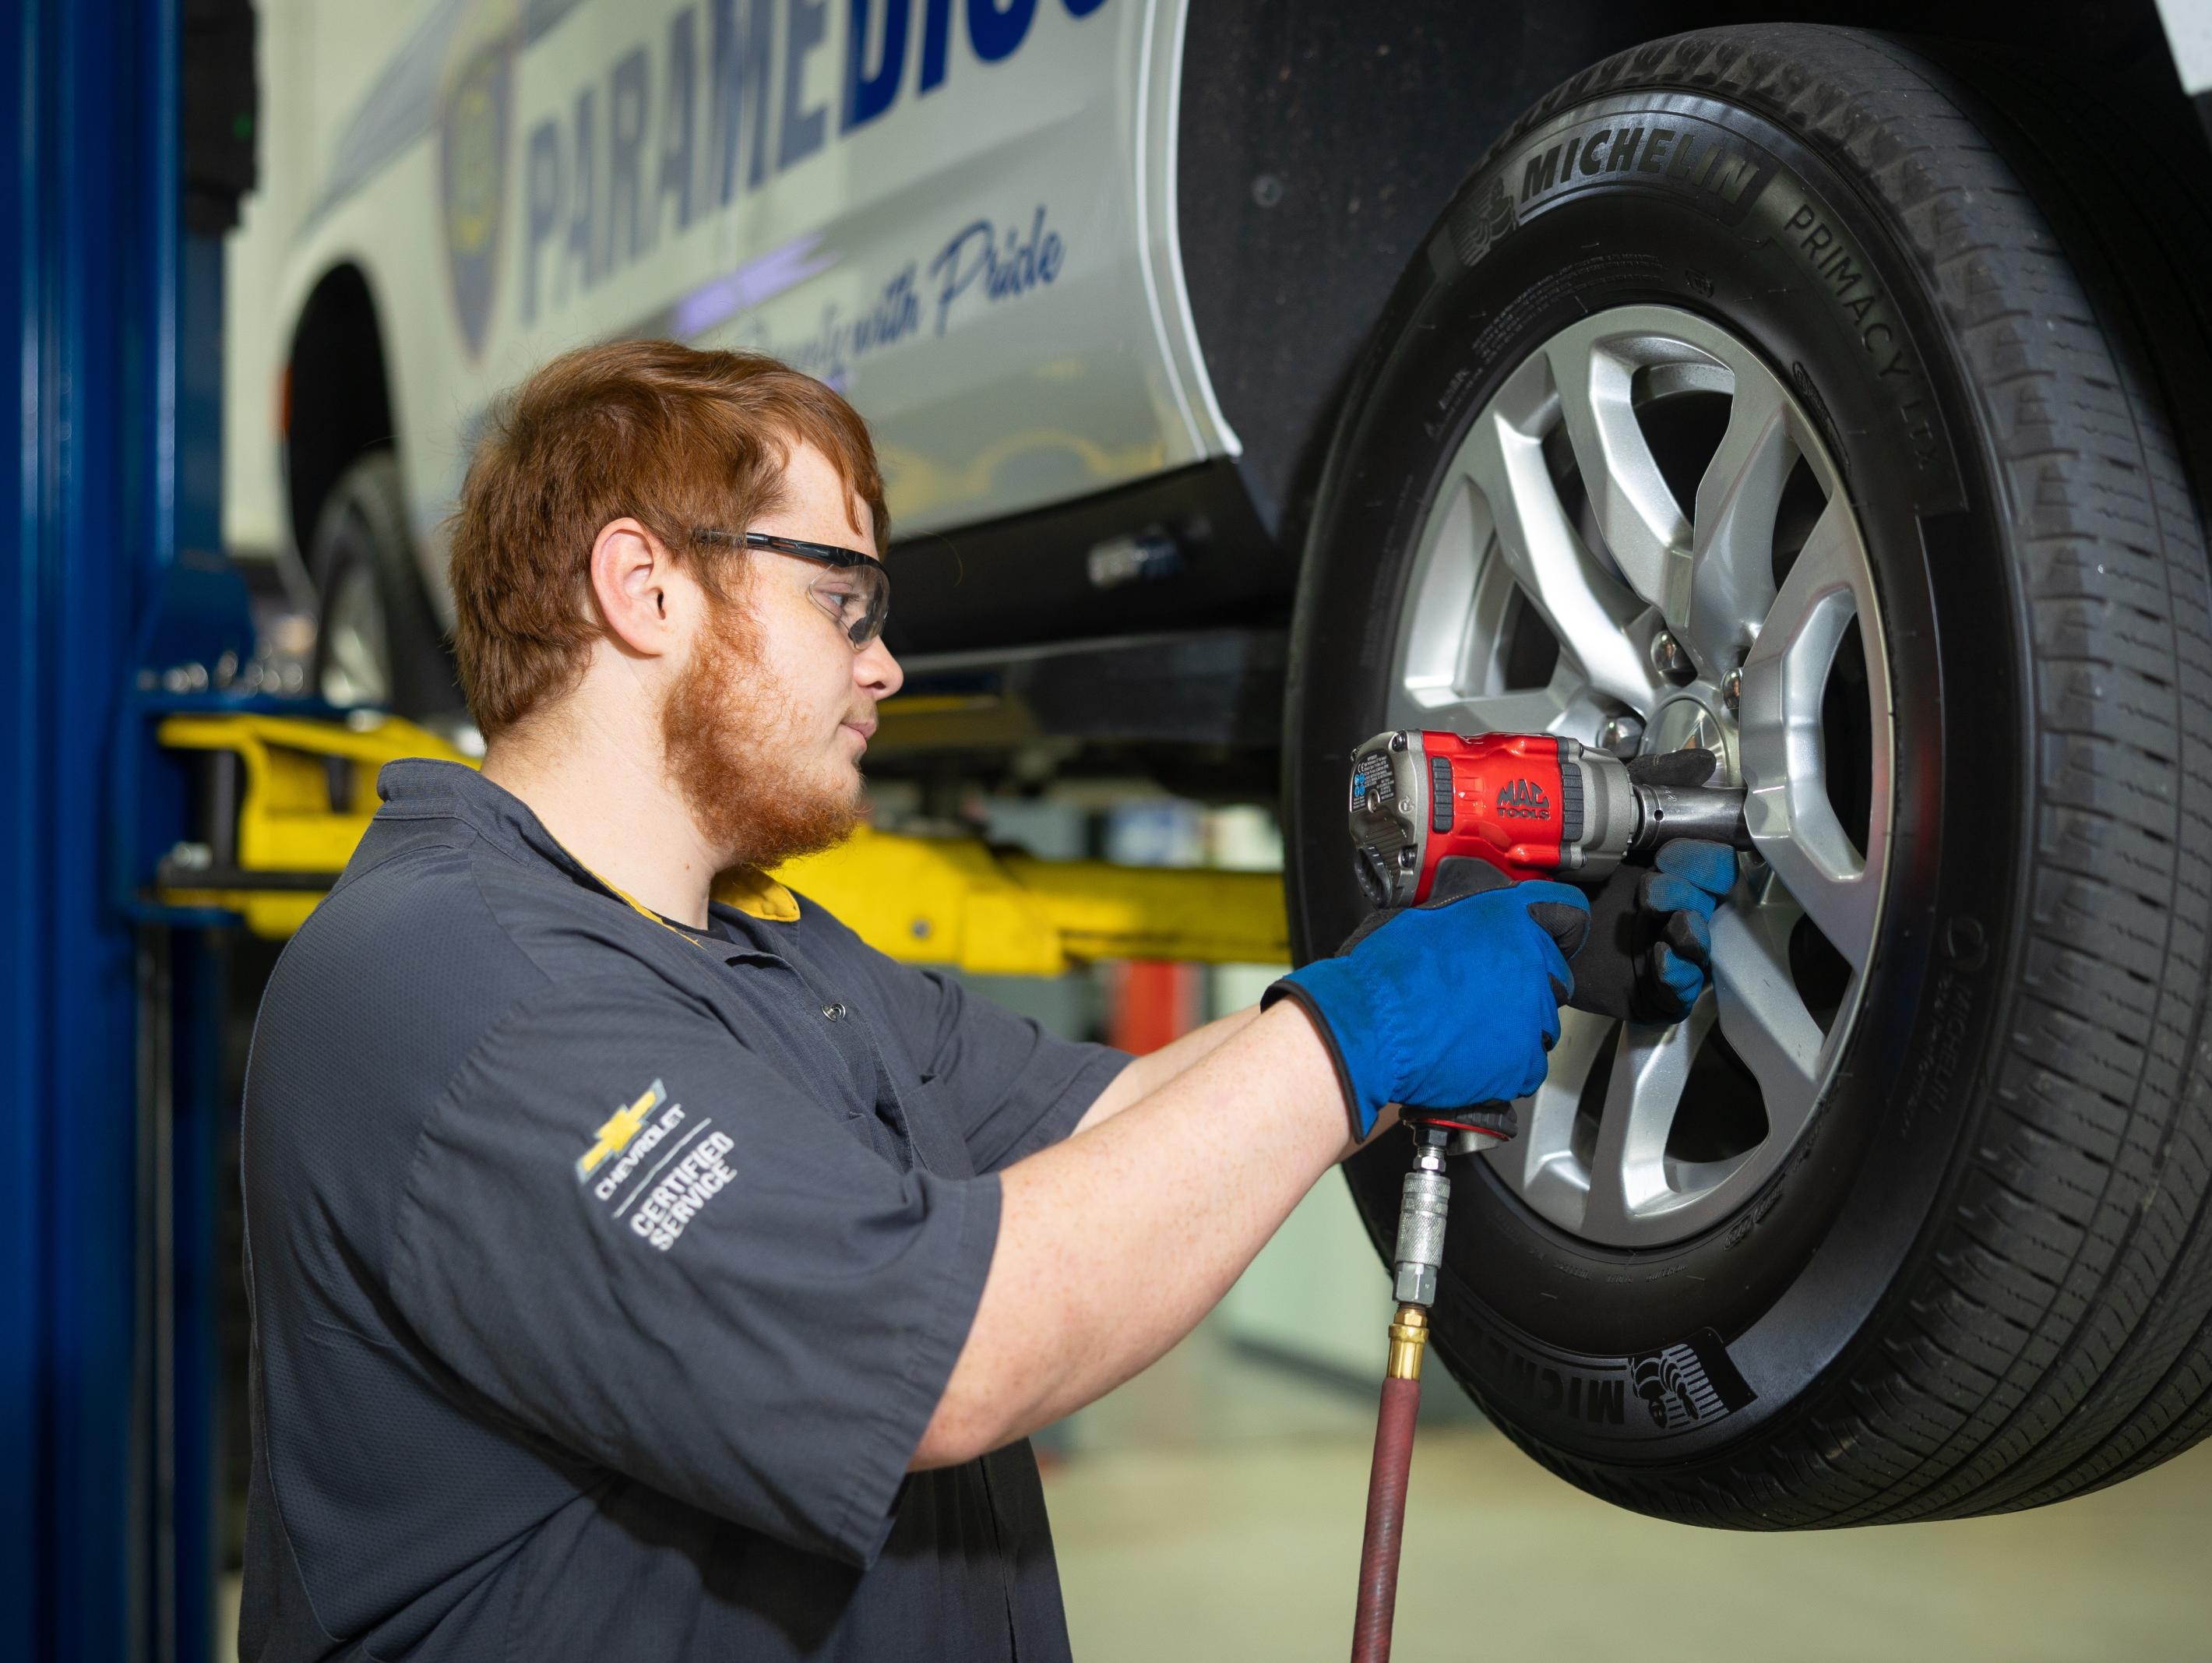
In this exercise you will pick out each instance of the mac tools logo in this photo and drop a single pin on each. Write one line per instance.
(1524, 800)
(472, 146)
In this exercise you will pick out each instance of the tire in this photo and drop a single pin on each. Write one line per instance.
(377, 642)
(1976, 1277)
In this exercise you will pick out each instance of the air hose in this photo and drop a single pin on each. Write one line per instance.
(1419, 1253)
(1386, 1487)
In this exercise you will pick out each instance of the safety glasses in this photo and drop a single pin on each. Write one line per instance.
(855, 591)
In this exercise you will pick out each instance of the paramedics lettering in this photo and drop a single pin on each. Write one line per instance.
(649, 150)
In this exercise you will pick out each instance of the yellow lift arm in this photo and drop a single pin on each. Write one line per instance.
(306, 790)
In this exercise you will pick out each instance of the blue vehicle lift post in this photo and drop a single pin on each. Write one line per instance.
(109, 1019)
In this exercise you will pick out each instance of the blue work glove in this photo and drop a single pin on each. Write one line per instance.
(1651, 934)
(1688, 881)
(1450, 1003)
(1650, 948)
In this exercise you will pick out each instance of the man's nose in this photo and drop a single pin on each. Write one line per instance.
(876, 670)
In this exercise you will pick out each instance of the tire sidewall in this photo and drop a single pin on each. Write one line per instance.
(365, 523)
(1557, 1338)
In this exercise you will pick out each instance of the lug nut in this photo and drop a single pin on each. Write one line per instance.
(1667, 654)
(1622, 735)
(1732, 690)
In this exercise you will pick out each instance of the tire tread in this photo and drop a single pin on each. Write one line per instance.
(2052, 1338)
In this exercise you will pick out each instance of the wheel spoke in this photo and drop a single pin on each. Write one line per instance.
(1540, 1161)
(1628, 1171)
(1717, 598)
(1452, 605)
(1791, 820)
(1535, 710)
(1595, 617)
(1762, 1014)
(1636, 511)
(1457, 632)
(356, 650)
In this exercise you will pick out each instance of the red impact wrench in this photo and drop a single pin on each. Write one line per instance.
(1526, 805)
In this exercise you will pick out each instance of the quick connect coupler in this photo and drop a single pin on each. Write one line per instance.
(1422, 1206)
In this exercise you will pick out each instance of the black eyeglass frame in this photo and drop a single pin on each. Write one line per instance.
(824, 554)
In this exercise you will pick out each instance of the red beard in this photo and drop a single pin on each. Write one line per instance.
(729, 734)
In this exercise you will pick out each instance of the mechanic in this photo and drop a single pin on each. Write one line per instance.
(642, 1266)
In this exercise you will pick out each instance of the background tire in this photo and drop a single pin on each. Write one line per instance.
(377, 640)
(1981, 1279)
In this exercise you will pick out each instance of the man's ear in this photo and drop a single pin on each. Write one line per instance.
(631, 581)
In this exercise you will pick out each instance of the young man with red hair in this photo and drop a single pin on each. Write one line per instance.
(643, 1267)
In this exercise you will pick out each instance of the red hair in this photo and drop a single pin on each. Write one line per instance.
(679, 440)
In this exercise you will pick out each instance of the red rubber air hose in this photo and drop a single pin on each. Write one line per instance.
(1386, 1490)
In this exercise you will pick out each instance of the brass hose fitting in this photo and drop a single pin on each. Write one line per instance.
(1409, 1338)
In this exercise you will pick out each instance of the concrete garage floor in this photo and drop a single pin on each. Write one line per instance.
(1212, 1509)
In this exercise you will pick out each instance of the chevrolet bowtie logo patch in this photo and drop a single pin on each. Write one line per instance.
(615, 1135)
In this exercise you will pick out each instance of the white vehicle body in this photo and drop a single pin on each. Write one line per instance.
(1094, 270)
(2188, 25)
(955, 227)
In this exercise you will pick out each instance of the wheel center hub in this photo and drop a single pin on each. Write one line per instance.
(1689, 720)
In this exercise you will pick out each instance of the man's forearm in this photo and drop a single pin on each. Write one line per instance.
(1113, 1243)
(1148, 1073)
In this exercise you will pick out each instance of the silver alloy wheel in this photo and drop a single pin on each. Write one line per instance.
(357, 646)
(1557, 562)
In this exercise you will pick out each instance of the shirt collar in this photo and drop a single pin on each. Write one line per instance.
(420, 785)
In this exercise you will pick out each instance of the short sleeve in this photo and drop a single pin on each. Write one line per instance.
(640, 1240)
(1013, 1087)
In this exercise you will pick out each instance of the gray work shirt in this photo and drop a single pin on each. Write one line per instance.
(604, 1275)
